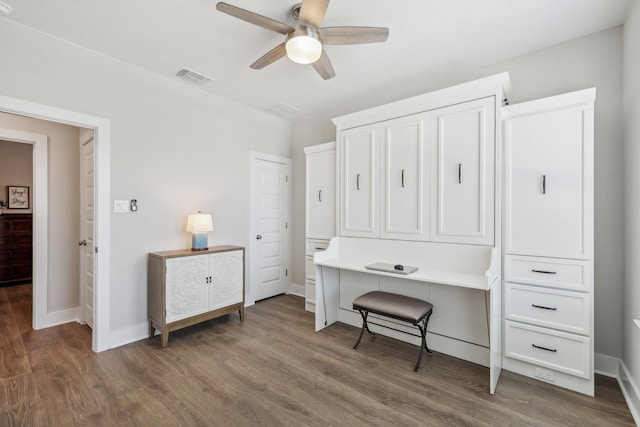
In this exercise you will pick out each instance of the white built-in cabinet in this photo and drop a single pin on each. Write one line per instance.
(463, 150)
(320, 224)
(427, 176)
(548, 239)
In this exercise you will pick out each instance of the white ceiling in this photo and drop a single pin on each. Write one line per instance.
(428, 39)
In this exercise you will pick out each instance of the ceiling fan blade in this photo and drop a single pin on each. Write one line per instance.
(254, 18)
(270, 57)
(312, 11)
(353, 35)
(323, 66)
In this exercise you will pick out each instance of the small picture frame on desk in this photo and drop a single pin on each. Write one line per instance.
(18, 197)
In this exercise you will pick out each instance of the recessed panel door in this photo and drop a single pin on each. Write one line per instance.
(269, 217)
(545, 198)
(359, 165)
(321, 195)
(405, 199)
(463, 147)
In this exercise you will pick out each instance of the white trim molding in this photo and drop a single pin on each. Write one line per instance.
(615, 368)
(630, 391)
(297, 290)
(102, 134)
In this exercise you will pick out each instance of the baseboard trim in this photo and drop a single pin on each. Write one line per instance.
(297, 290)
(124, 336)
(630, 391)
(60, 317)
(606, 365)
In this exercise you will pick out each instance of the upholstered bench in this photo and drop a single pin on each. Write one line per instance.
(398, 307)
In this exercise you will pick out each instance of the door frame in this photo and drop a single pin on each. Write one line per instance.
(254, 157)
(102, 143)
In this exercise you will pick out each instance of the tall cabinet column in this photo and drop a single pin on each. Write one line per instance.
(548, 240)
(320, 224)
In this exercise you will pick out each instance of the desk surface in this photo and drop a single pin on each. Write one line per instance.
(447, 264)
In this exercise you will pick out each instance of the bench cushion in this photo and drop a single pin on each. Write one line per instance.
(399, 307)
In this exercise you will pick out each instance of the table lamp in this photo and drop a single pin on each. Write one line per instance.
(199, 224)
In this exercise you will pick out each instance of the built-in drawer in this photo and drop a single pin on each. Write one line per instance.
(561, 351)
(314, 246)
(309, 268)
(563, 310)
(310, 291)
(553, 272)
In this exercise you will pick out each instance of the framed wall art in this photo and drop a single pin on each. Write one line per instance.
(18, 197)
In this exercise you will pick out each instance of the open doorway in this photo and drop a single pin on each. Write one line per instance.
(43, 316)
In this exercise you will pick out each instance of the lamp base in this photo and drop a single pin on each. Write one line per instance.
(199, 242)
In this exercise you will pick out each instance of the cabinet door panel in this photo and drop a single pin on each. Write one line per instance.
(321, 195)
(463, 147)
(226, 273)
(358, 182)
(187, 289)
(545, 199)
(406, 196)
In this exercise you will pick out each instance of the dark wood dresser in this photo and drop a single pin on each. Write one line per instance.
(15, 248)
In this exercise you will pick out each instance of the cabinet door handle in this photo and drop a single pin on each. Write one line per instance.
(358, 182)
(320, 196)
(82, 243)
(553, 350)
(259, 236)
(543, 307)
(459, 173)
(543, 271)
(402, 178)
(544, 184)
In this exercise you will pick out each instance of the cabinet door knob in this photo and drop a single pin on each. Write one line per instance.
(259, 236)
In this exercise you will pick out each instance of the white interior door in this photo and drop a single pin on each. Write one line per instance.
(87, 242)
(269, 257)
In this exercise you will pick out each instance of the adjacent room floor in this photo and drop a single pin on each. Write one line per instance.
(271, 369)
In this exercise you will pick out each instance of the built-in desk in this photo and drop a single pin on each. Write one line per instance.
(461, 281)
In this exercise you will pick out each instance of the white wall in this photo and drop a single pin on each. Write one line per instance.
(631, 309)
(594, 60)
(64, 206)
(174, 148)
(16, 168)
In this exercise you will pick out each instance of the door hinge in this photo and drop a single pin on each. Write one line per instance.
(286, 225)
(96, 249)
(286, 272)
(286, 178)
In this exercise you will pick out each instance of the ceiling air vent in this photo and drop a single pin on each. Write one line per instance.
(282, 109)
(192, 76)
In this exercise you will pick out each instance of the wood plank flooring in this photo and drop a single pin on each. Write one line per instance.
(271, 370)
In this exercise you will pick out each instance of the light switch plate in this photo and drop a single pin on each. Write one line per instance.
(120, 206)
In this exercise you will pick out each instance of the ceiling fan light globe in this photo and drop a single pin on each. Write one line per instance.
(303, 49)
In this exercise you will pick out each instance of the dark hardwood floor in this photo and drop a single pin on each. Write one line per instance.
(271, 369)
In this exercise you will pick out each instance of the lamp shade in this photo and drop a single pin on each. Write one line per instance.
(199, 223)
(304, 49)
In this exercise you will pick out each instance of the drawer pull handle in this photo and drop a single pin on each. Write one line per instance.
(553, 350)
(543, 271)
(320, 249)
(320, 196)
(543, 307)
(402, 178)
(358, 182)
(459, 173)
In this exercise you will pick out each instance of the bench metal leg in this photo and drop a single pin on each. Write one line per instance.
(422, 325)
(364, 315)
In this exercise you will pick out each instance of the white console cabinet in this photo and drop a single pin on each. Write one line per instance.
(187, 287)
(548, 239)
(320, 225)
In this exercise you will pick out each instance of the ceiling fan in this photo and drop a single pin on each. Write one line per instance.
(304, 42)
